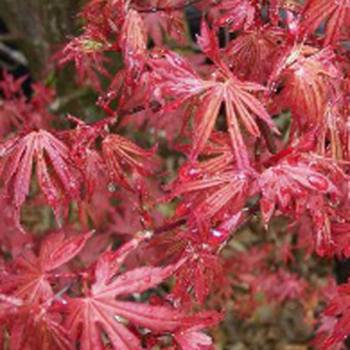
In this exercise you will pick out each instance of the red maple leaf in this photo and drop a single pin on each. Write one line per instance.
(339, 308)
(336, 14)
(190, 337)
(86, 51)
(288, 181)
(212, 197)
(175, 78)
(29, 277)
(133, 41)
(99, 310)
(56, 174)
(168, 21)
(253, 53)
(309, 79)
(235, 14)
(297, 188)
(33, 326)
(121, 155)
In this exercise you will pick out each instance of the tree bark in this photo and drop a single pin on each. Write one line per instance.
(39, 26)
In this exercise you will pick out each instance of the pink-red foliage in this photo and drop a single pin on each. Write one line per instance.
(245, 127)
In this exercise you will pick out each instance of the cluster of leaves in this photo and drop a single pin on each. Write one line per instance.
(248, 122)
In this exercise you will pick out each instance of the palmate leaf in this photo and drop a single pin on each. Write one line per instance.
(176, 79)
(339, 311)
(56, 174)
(219, 158)
(199, 275)
(300, 189)
(211, 197)
(99, 310)
(243, 106)
(309, 79)
(234, 14)
(119, 158)
(133, 41)
(32, 326)
(336, 14)
(240, 106)
(286, 183)
(190, 336)
(253, 53)
(121, 155)
(170, 21)
(29, 277)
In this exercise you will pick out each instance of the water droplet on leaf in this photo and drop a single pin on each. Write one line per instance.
(319, 182)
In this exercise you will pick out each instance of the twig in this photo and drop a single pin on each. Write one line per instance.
(9, 37)
(268, 136)
(13, 55)
(170, 226)
(169, 8)
(60, 102)
(154, 106)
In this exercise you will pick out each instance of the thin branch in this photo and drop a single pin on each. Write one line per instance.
(9, 37)
(169, 8)
(13, 54)
(170, 226)
(131, 111)
(268, 136)
(61, 102)
(154, 106)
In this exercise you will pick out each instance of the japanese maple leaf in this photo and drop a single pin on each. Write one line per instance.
(211, 197)
(323, 336)
(331, 136)
(299, 189)
(99, 312)
(176, 77)
(104, 21)
(56, 174)
(29, 278)
(234, 14)
(240, 106)
(121, 155)
(190, 337)
(15, 108)
(287, 181)
(253, 53)
(158, 23)
(105, 17)
(198, 276)
(86, 51)
(82, 140)
(340, 237)
(309, 79)
(219, 154)
(202, 270)
(133, 41)
(336, 15)
(339, 308)
(32, 325)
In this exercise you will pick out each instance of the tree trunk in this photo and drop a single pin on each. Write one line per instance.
(38, 26)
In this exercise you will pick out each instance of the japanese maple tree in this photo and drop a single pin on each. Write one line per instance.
(210, 174)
